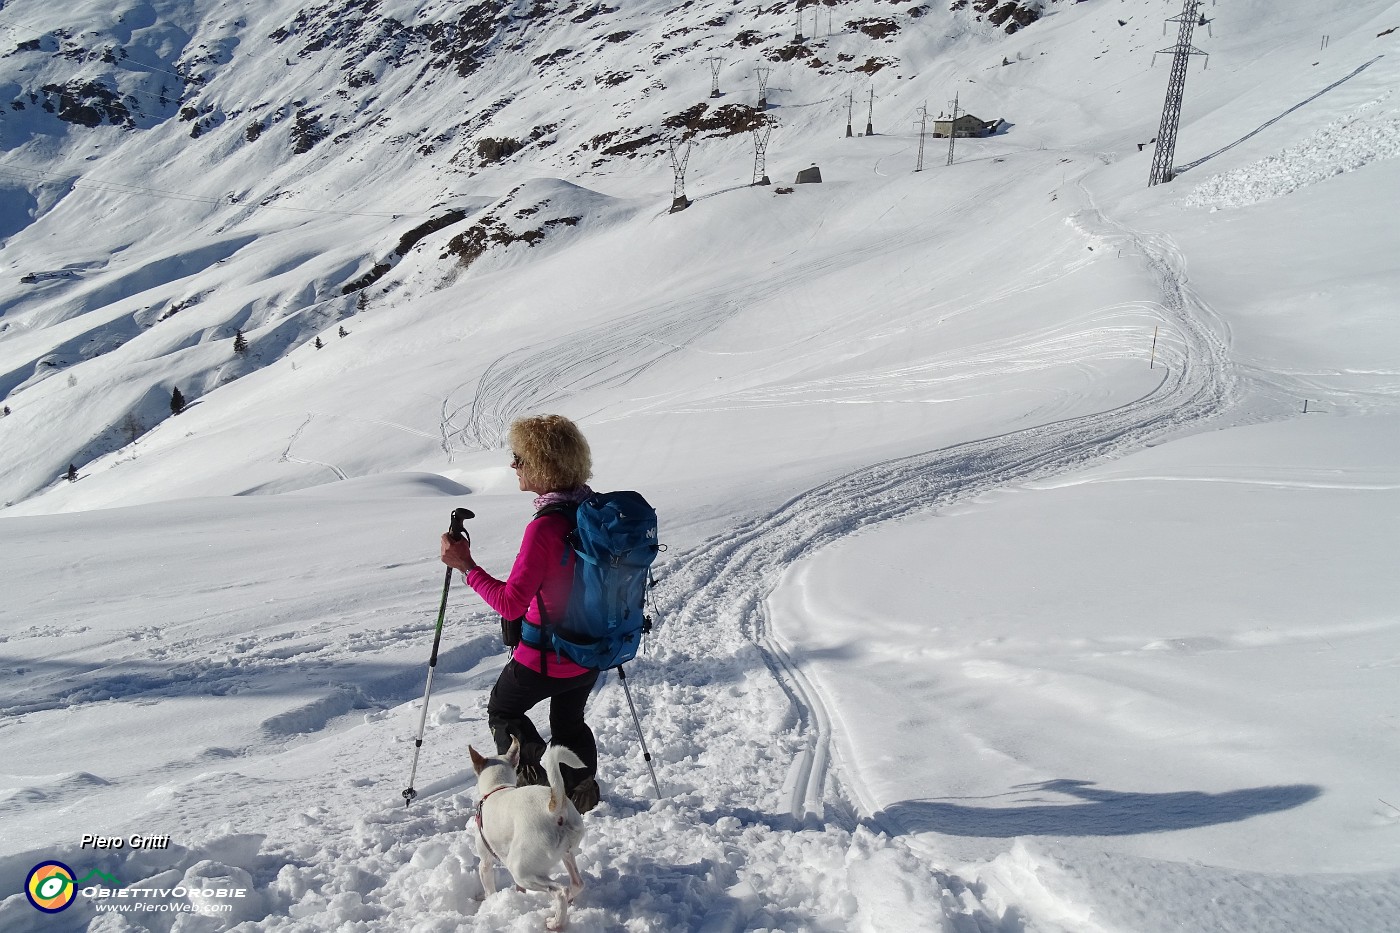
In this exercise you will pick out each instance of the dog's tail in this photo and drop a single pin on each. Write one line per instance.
(555, 756)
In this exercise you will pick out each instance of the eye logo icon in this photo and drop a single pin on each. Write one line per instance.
(50, 887)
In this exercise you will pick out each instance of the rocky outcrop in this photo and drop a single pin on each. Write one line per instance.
(82, 103)
(359, 33)
(1010, 15)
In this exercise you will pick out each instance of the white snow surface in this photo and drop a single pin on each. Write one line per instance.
(1030, 532)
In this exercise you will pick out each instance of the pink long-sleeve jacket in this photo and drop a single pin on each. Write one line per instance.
(544, 567)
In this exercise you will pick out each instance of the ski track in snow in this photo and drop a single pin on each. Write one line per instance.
(288, 458)
(722, 585)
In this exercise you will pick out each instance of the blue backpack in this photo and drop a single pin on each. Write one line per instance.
(614, 544)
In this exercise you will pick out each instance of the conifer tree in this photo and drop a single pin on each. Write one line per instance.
(343, 332)
(319, 344)
(240, 343)
(177, 401)
(72, 474)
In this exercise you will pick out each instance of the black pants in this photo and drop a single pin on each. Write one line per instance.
(517, 690)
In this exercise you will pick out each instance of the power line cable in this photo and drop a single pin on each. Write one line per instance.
(192, 86)
(188, 82)
(14, 30)
(31, 174)
(123, 188)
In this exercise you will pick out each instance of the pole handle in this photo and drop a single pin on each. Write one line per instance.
(457, 531)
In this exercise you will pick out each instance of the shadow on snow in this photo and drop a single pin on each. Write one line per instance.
(1098, 813)
(351, 685)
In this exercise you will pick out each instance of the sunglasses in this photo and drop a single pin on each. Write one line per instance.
(515, 461)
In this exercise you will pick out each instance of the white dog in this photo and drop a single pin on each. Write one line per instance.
(530, 829)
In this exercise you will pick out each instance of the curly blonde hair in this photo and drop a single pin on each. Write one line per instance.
(552, 451)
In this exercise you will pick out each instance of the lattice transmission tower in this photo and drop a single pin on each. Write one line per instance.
(763, 71)
(760, 152)
(1165, 152)
(679, 201)
(953, 126)
(715, 63)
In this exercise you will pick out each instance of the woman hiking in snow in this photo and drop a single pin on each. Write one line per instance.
(551, 459)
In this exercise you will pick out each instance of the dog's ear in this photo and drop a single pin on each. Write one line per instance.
(477, 761)
(513, 756)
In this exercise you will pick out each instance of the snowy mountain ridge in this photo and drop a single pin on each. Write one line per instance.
(148, 108)
(262, 127)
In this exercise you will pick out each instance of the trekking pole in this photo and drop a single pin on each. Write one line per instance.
(646, 755)
(456, 532)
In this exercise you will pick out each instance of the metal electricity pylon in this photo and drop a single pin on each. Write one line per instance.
(1165, 152)
(679, 201)
(716, 63)
(760, 152)
(763, 71)
(952, 128)
(870, 117)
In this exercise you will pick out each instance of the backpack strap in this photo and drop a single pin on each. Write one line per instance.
(542, 632)
(559, 508)
(538, 636)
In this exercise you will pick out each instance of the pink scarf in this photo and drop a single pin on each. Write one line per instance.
(566, 496)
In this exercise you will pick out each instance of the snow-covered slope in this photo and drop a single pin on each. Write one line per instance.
(904, 430)
(277, 172)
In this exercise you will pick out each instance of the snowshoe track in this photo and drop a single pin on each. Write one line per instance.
(716, 593)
